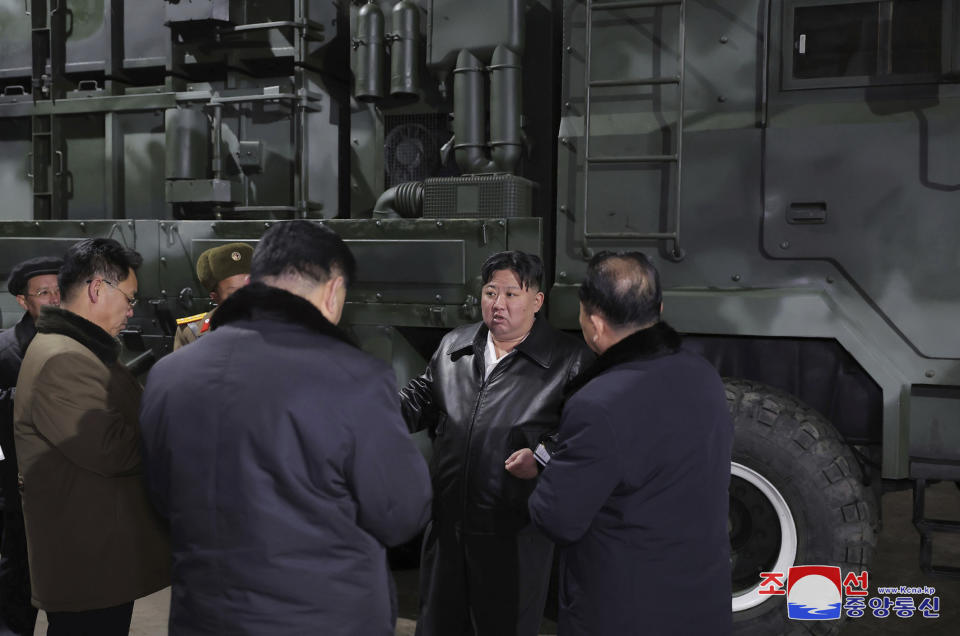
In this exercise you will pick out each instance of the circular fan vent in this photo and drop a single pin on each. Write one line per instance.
(411, 153)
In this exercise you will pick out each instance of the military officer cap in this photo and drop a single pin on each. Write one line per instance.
(23, 272)
(222, 262)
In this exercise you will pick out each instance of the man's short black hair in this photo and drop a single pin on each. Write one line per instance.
(528, 268)
(624, 287)
(95, 258)
(302, 248)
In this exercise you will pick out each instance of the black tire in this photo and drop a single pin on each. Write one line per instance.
(789, 457)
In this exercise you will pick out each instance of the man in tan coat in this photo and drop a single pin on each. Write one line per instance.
(94, 542)
(222, 270)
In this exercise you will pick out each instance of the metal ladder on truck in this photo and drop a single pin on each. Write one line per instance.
(48, 37)
(674, 159)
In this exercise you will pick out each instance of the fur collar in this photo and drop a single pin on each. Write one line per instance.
(652, 342)
(66, 323)
(258, 301)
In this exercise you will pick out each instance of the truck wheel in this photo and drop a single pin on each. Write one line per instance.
(796, 498)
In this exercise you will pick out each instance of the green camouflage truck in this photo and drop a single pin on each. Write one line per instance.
(789, 165)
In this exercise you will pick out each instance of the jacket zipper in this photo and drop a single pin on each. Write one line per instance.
(464, 484)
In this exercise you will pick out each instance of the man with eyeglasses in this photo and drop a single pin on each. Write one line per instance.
(34, 284)
(94, 541)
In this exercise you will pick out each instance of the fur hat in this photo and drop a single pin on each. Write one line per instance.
(223, 261)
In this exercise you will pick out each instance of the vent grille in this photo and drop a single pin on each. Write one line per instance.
(483, 196)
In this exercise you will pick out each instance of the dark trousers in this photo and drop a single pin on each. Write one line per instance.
(17, 616)
(110, 621)
(483, 584)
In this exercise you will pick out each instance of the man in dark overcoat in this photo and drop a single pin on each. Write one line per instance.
(490, 393)
(276, 450)
(636, 490)
(34, 284)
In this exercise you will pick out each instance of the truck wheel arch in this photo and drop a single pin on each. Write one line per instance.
(797, 497)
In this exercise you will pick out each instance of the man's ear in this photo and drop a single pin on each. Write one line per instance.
(332, 302)
(215, 298)
(537, 302)
(93, 290)
(599, 326)
(22, 301)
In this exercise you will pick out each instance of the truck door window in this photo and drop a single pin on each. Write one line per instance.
(915, 37)
(835, 41)
(855, 43)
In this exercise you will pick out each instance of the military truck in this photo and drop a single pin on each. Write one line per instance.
(789, 165)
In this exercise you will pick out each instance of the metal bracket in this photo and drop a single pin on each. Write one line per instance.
(926, 528)
(87, 85)
(185, 298)
(250, 156)
(436, 315)
(470, 309)
(171, 231)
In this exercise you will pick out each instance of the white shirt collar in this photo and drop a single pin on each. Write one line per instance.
(490, 360)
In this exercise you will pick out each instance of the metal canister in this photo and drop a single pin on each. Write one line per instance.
(187, 139)
(405, 50)
(369, 59)
(506, 140)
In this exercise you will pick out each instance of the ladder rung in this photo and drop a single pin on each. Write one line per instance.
(634, 159)
(633, 4)
(637, 81)
(633, 235)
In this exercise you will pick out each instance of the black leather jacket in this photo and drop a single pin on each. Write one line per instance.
(13, 344)
(477, 423)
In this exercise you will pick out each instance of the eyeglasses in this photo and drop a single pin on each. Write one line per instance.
(131, 301)
(45, 293)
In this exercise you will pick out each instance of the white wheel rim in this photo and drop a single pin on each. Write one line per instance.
(788, 534)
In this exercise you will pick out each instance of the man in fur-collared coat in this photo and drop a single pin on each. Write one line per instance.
(94, 542)
(636, 490)
(276, 449)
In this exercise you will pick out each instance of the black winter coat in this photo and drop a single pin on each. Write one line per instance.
(477, 423)
(276, 449)
(13, 344)
(636, 494)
